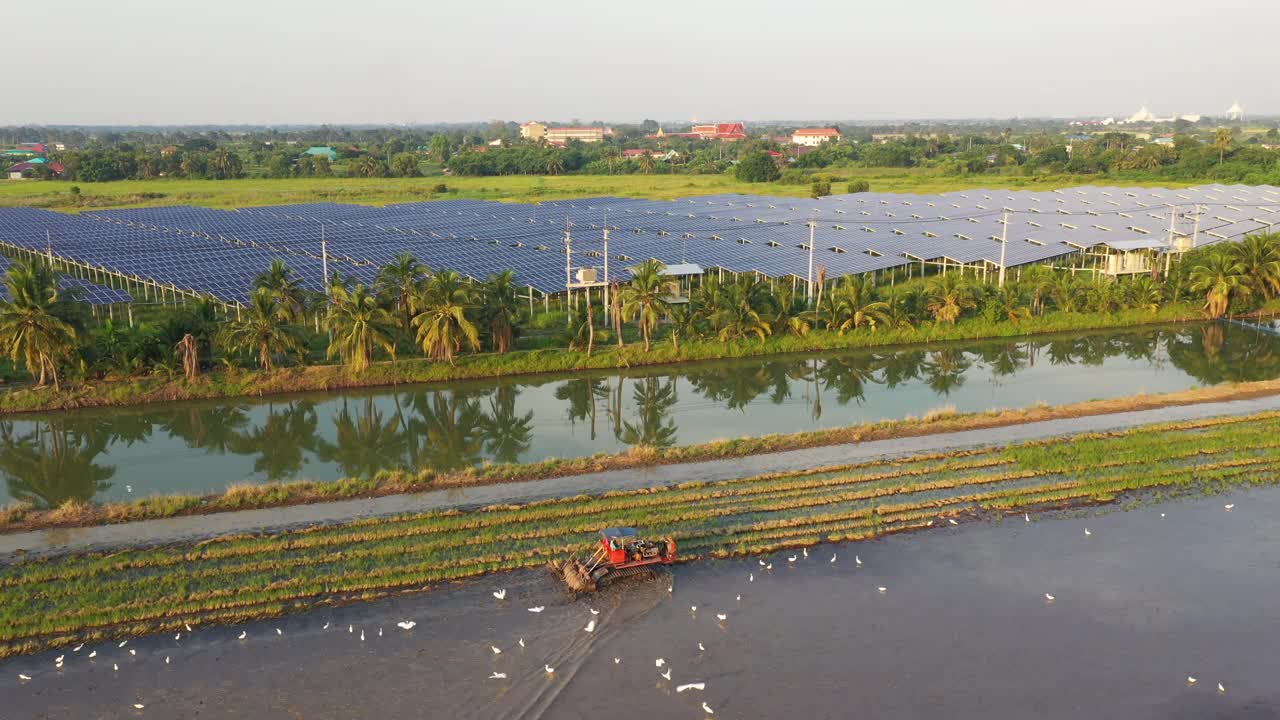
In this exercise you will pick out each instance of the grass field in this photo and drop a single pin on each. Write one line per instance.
(94, 597)
(522, 188)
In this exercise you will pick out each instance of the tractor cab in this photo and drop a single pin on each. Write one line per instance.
(622, 553)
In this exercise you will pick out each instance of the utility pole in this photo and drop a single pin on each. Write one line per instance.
(813, 227)
(1195, 232)
(324, 260)
(1168, 254)
(606, 268)
(568, 266)
(1004, 244)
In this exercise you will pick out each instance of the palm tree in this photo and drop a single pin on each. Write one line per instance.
(740, 311)
(1040, 282)
(285, 288)
(948, 298)
(1009, 303)
(262, 330)
(499, 310)
(357, 325)
(399, 281)
(1143, 292)
(1259, 255)
(441, 316)
(1223, 138)
(30, 329)
(647, 165)
(1219, 276)
(643, 299)
(852, 305)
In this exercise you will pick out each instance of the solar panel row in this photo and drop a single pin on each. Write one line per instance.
(219, 252)
(89, 292)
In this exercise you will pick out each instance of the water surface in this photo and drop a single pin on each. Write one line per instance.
(202, 447)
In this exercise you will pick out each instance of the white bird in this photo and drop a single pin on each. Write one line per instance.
(707, 709)
(883, 589)
(591, 626)
(1221, 689)
(1087, 533)
(178, 636)
(1049, 597)
(659, 662)
(751, 577)
(362, 635)
(58, 660)
(58, 665)
(115, 666)
(549, 669)
(666, 675)
(496, 650)
(93, 654)
(833, 557)
(406, 624)
(500, 594)
(1161, 514)
(1229, 507)
(498, 676)
(671, 588)
(166, 659)
(188, 627)
(279, 631)
(138, 706)
(953, 522)
(761, 563)
(791, 559)
(351, 628)
(690, 686)
(538, 609)
(805, 551)
(769, 566)
(243, 634)
(521, 642)
(77, 648)
(1191, 680)
(123, 643)
(1026, 517)
(617, 660)
(326, 626)
(857, 560)
(693, 608)
(594, 611)
(738, 599)
(721, 617)
(128, 488)
(701, 648)
(23, 677)
(379, 632)
(930, 523)
(132, 651)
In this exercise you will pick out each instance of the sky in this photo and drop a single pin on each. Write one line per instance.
(160, 62)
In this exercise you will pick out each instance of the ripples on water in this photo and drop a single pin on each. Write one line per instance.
(203, 447)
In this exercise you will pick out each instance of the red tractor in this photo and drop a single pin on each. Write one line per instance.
(622, 553)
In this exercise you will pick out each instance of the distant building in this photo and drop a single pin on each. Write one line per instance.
(533, 130)
(32, 148)
(814, 136)
(168, 150)
(1235, 113)
(24, 169)
(321, 150)
(887, 137)
(558, 135)
(667, 156)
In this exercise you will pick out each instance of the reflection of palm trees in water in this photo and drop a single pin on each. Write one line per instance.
(581, 395)
(1004, 359)
(281, 440)
(506, 435)
(944, 370)
(653, 427)
(54, 462)
(1218, 353)
(365, 443)
(449, 427)
(736, 388)
(215, 429)
(848, 376)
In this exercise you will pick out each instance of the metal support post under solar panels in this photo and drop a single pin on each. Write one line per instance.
(1004, 244)
(1168, 255)
(813, 225)
(568, 265)
(606, 268)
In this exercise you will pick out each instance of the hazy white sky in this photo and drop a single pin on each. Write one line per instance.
(418, 61)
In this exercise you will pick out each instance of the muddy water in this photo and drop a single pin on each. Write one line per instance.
(963, 630)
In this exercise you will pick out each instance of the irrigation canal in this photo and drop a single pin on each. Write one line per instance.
(202, 447)
(1155, 594)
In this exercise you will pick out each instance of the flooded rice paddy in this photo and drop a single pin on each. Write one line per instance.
(1149, 597)
(117, 454)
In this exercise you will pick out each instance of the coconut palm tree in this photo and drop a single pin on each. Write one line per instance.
(357, 325)
(441, 319)
(1009, 303)
(31, 330)
(948, 297)
(853, 304)
(1223, 139)
(1145, 293)
(285, 288)
(1039, 282)
(1259, 255)
(742, 310)
(1220, 276)
(263, 331)
(398, 281)
(644, 298)
(500, 310)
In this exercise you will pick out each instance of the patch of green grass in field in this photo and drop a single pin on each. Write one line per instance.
(522, 188)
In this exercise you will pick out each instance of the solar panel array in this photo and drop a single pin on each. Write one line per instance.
(90, 292)
(219, 252)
